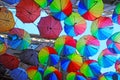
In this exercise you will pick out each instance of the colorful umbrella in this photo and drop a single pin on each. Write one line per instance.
(51, 73)
(2, 69)
(27, 12)
(116, 14)
(19, 39)
(29, 56)
(49, 27)
(90, 9)
(106, 58)
(65, 45)
(102, 28)
(48, 56)
(113, 43)
(6, 20)
(72, 63)
(87, 45)
(60, 9)
(11, 1)
(74, 24)
(117, 65)
(90, 68)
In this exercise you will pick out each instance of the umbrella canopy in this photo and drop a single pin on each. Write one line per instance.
(60, 9)
(2, 69)
(11, 1)
(19, 39)
(102, 28)
(6, 20)
(74, 24)
(49, 27)
(87, 45)
(65, 45)
(18, 74)
(27, 12)
(9, 61)
(29, 56)
(48, 56)
(51, 73)
(72, 63)
(117, 65)
(116, 14)
(90, 68)
(90, 9)
(106, 58)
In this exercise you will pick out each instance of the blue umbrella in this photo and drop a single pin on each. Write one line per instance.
(11, 1)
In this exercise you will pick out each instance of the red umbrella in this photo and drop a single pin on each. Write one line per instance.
(49, 27)
(27, 11)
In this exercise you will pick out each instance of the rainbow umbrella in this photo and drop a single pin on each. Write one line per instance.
(117, 65)
(90, 9)
(60, 9)
(11, 2)
(90, 68)
(113, 43)
(48, 56)
(116, 14)
(51, 73)
(74, 24)
(65, 45)
(102, 28)
(87, 45)
(106, 58)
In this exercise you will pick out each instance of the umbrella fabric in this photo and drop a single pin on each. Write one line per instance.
(90, 68)
(51, 73)
(87, 46)
(90, 9)
(102, 28)
(11, 1)
(72, 63)
(113, 43)
(9, 61)
(65, 45)
(48, 56)
(106, 58)
(116, 14)
(117, 65)
(60, 9)
(18, 74)
(2, 69)
(74, 24)
(49, 27)
(27, 12)
(6, 20)
(29, 56)
(19, 39)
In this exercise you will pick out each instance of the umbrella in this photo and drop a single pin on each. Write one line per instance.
(65, 45)
(6, 20)
(116, 14)
(27, 12)
(113, 43)
(49, 27)
(87, 45)
(90, 9)
(106, 58)
(18, 74)
(75, 76)
(9, 61)
(51, 73)
(29, 56)
(102, 28)
(90, 68)
(60, 9)
(117, 65)
(72, 63)
(19, 39)
(74, 24)
(2, 69)
(48, 56)
(11, 2)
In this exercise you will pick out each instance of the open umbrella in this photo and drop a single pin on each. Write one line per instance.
(117, 65)
(90, 9)
(74, 24)
(102, 28)
(49, 27)
(19, 39)
(6, 20)
(11, 1)
(60, 9)
(2, 69)
(27, 12)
